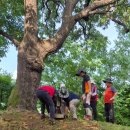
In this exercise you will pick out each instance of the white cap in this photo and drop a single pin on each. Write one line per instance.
(92, 81)
(62, 85)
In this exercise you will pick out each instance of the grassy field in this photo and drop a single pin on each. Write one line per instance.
(109, 126)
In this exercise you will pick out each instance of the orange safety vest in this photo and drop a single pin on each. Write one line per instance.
(86, 87)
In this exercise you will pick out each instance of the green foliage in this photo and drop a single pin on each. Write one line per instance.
(123, 105)
(11, 19)
(109, 126)
(5, 89)
(93, 56)
(117, 62)
(51, 12)
(63, 65)
(100, 109)
(3, 47)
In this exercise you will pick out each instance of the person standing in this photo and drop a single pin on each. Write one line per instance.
(86, 90)
(109, 95)
(94, 98)
(45, 95)
(71, 100)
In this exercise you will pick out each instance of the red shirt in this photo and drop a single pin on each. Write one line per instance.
(109, 93)
(49, 89)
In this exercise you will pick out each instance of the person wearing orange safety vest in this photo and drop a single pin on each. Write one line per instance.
(86, 90)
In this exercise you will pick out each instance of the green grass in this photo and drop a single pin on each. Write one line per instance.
(109, 126)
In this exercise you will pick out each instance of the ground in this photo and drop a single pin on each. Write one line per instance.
(27, 120)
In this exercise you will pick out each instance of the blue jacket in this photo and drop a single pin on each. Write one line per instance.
(71, 97)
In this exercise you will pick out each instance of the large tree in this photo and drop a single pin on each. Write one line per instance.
(33, 48)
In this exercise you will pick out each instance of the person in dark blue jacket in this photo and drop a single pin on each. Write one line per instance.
(71, 100)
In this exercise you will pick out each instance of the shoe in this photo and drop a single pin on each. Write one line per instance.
(88, 118)
(52, 121)
(43, 116)
(75, 119)
(66, 116)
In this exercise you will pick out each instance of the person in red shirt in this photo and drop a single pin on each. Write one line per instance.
(45, 95)
(109, 96)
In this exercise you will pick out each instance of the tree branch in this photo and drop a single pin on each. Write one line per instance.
(99, 12)
(54, 44)
(105, 12)
(120, 23)
(68, 22)
(95, 5)
(4, 34)
(69, 7)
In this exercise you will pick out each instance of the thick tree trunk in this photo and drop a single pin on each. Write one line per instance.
(28, 69)
(27, 82)
(28, 76)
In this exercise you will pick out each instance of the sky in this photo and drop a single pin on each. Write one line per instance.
(9, 63)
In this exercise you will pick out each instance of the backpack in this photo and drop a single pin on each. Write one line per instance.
(95, 97)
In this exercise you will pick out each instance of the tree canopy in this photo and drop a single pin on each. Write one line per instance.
(51, 12)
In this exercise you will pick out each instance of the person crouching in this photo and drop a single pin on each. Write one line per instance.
(71, 100)
(45, 94)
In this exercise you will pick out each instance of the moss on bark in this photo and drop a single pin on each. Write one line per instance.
(13, 100)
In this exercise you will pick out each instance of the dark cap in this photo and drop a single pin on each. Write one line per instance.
(80, 71)
(108, 80)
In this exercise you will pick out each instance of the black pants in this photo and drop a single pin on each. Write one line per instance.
(94, 108)
(109, 112)
(46, 100)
